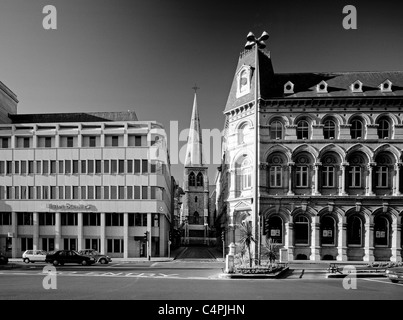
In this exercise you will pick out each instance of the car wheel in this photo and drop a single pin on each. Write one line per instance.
(394, 281)
(26, 260)
(103, 261)
(84, 262)
(55, 262)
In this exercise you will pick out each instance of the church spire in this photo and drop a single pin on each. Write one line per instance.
(194, 150)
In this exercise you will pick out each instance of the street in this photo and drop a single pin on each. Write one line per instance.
(180, 280)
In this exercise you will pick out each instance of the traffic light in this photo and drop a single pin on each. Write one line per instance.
(146, 236)
(266, 226)
(170, 236)
(223, 235)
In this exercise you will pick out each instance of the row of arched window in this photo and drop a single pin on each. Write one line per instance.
(331, 128)
(274, 228)
(332, 176)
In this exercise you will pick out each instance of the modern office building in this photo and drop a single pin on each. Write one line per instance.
(329, 166)
(83, 180)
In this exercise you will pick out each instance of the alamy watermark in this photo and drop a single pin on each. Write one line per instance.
(50, 280)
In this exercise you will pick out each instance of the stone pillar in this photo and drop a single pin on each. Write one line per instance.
(317, 167)
(103, 245)
(397, 179)
(342, 240)
(125, 235)
(14, 231)
(80, 232)
(290, 240)
(290, 190)
(370, 167)
(315, 239)
(58, 231)
(149, 244)
(396, 241)
(36, 231)
(343, 167)
(369, 242)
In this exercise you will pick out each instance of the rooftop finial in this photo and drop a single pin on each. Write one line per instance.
(195, 88)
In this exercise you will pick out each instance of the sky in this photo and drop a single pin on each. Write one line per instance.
(146, 55)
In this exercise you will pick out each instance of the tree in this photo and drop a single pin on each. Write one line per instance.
(270, 249)
(246, 238)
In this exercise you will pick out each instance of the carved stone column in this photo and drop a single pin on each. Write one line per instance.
(315, 239)
(343, 167)
(290, 191)
(317, 168)
(370, 168)
(397, 179)
(369, 242)
(342, 240)
(396, 241)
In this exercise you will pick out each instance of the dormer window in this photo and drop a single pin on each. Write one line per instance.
(386, 86)
(356, 86)
(322, 87)
(289, 88)
(243, 81)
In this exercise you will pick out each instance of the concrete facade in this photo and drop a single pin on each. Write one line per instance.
(101, 183)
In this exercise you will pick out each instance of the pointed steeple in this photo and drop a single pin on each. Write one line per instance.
(194, 150)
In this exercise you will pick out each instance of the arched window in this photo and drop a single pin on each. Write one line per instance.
(192, 179)
(274, 229)
(199, 180)
(382, 172)
(355, 173)
(243, 130)
(276, 130)
(243, 81)
(384, 129)
(301, 230)
(246, 175)
(354, 231)
(329, 171)
(302, 171)
(381, 230)
(328, 230)
(302, 129)
(357, 129)
(276, 162)
(329, 129)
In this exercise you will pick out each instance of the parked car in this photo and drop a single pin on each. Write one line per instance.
(101, 258)
(68, 256)
(3, 259)
(395, 274)
(34, 256)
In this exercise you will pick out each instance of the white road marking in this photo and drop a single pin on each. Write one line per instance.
(387, 281)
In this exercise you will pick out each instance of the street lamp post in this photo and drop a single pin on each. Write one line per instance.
(258, 43)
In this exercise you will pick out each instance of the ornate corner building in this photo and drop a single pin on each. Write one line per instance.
(330, 161)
